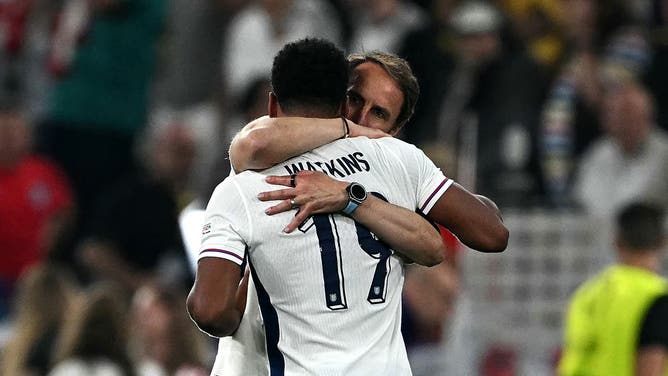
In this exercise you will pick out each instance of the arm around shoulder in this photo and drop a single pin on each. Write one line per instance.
(474, 219)
(404, 230)
(267, 141)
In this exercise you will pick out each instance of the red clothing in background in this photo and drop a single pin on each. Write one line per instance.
(452, 244)
(30, 194)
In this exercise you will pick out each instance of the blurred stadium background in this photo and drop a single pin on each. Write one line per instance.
(116, 116)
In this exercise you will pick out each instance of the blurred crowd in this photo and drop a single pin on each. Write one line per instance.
(116, 116)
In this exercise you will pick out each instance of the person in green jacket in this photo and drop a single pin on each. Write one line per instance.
(617, 322)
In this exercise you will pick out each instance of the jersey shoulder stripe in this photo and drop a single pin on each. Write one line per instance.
(437, 193)
(221, 253)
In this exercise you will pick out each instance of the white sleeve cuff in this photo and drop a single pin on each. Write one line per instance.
(435, 195)
(222, 253)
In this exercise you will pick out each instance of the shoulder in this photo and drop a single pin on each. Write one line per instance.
(590, 288)
(237, 186)
(394, 145)
(228, 184)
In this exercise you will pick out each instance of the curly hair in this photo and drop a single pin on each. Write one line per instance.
(310, 74)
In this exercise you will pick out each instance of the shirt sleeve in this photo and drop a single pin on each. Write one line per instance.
(654, 329)
(225, 219)
(428, 179)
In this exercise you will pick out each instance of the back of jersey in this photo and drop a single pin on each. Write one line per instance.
(330, 292)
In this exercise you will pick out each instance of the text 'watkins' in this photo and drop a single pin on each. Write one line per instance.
(339, 167)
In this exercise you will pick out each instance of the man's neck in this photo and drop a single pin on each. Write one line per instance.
(650, 260)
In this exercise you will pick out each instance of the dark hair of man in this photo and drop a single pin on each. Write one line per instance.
(400, 72)
(310, 75)
(640, 227)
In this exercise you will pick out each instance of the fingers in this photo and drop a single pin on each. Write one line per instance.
(301, 216)
(279, 194)
(280, 180)
(284, 206)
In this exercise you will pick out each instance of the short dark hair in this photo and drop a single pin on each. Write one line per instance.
(640, 227)
(400, 71)
(310, 73)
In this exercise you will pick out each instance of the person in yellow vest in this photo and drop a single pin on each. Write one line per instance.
(617, 322)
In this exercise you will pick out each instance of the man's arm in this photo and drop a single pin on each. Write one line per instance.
(267, 141)
(403, 230)
(474, 219)
(217, 300)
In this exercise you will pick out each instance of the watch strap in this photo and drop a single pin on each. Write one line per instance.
(350, 208)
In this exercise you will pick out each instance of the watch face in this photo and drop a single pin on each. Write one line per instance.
(358, 192)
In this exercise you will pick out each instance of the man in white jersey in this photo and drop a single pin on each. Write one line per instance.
(313, 319)
(382, 95)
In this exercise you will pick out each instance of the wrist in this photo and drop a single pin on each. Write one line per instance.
(357, 194)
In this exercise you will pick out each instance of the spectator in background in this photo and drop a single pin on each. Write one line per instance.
(13, 17)
(616, 322)
(536, 24)
(603, 48)
(251, 104)
(24, 45)
(194, 33)
(657, 76)
(93, 340)
(382, 24)
(103, 54)
(257, 33)
(477, 112)
(43, 299)
(164, 338)
(135, 237)
(35, 201)
(630, 161)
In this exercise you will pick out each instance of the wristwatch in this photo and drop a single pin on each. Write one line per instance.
(356, 196)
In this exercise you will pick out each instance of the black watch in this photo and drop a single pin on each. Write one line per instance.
(356, 196)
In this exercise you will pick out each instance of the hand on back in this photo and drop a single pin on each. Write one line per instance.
(313, 193)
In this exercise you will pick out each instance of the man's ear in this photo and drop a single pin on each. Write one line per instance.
(272, 106)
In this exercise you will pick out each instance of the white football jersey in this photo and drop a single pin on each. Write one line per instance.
(330, 292)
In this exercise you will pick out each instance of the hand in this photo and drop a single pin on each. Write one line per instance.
(357, 130)
(314, 193)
